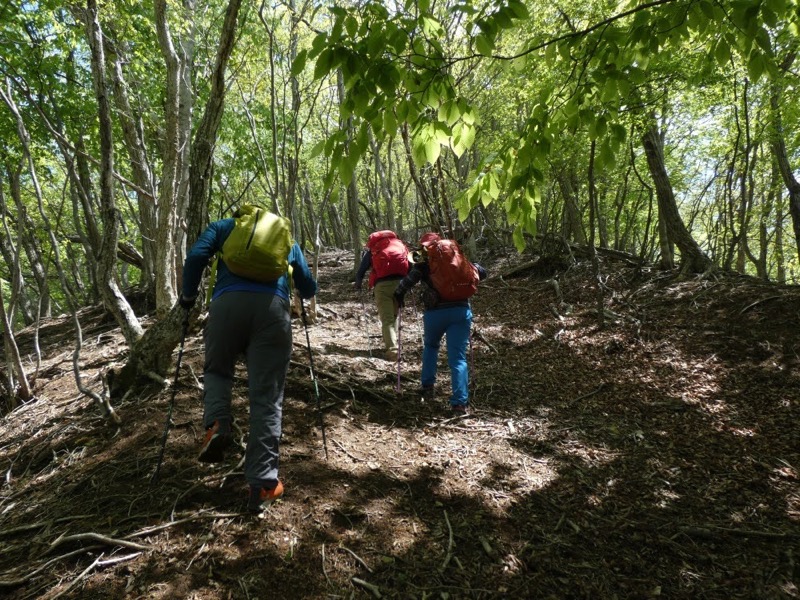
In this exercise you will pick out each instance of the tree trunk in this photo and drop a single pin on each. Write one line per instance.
(133, 137)
(113, 298)
(573, 229)
(692, 257)
(782, 158)
(30, 243)
(12, 353)
(202, 151)
(166, 293)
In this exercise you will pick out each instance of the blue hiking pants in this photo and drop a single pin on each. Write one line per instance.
(455, 323)
(258, 325)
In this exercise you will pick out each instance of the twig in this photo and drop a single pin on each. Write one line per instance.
(368, 586)
(75, 581)
(757, 302)
(343, 449)
(324, 570)
(39, 524)
(26, 578)
(97, 537)
(709, 531)
(449, 544)
(357, 557)
(592, 393)
(118, 559)
(478, 335)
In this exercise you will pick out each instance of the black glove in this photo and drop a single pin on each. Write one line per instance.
(400, 299)
(357, 286)
(187, 303)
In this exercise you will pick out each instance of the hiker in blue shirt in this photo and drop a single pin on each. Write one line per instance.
(453, 318)
(250, 317)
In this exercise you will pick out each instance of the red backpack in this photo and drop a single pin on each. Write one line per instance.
(389, 255)
(452, 275)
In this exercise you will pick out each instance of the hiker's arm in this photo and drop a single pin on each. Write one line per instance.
(301, 274)
(482, 273)
(417, 273)
(366, 263)
(207, 245)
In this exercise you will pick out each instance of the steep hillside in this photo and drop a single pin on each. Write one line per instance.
(657, 455)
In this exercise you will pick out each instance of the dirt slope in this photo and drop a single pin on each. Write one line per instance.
(657, 456)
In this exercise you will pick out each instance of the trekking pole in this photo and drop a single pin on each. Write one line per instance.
(472, 383)
(314, 378)
(399, 345)
(154, 478)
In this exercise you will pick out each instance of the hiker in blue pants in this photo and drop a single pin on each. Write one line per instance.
(253, 318)
(452, 319)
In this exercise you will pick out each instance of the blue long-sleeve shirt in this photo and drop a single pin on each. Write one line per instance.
(210, 242)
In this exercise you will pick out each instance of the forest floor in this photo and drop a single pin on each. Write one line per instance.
(656, 456)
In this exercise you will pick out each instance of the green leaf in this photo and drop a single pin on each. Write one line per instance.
(776, 6)
(484, 45)
(722, 53)
(351, 25)
(318, 45)
(519, 239)
(463, 138)
(756, 65)
(323, 66)
(299, 62)
(519, 10)
(449, 113)
(317, 149)
(389, 123)
(346, 168)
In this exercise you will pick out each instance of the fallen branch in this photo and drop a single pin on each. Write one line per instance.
(75, 581)
(357, 557)
(97, 537)
(478, 335)
(588, 394)
(450, 543)
(40, 524)
(26, 578)
(757, 302)
(711, 531)
(374, 589)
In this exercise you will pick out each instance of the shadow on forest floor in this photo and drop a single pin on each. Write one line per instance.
(655, 456)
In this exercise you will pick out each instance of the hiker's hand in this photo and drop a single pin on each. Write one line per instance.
(399, 298)
(357, 286)
(187, 303)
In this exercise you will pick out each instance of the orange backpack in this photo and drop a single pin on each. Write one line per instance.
(453, 276)
(389, 255)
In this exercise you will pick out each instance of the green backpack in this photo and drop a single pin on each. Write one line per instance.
(258, 247)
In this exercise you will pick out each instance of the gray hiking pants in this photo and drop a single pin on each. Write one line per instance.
(256, 324)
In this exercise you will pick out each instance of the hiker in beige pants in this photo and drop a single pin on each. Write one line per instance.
(386, 256)
(387, 311)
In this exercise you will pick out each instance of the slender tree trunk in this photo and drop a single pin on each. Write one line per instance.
(12, 353)
(11, 255)
(133, 137)
(782, 158)
(202, 152)
(692, 257)
(166, 293)
(26, 238)
(573, 229)
(112, 296)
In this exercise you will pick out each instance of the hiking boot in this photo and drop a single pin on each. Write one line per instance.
(214, 445)
(391, 355)
(261, 498)
(459, 410)
(427, 392)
